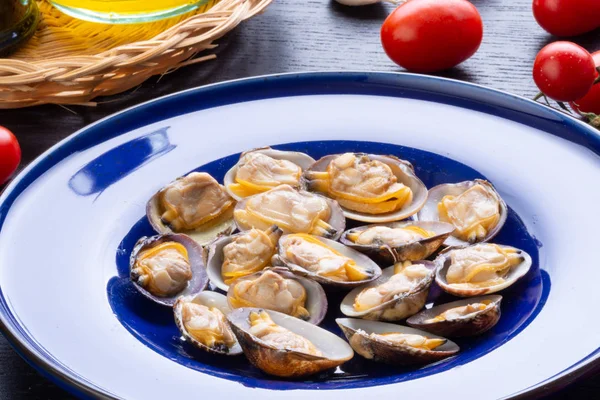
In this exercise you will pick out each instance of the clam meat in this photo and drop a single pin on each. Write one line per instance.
(369, 187)
(467, 317)
(192, 201)
(474, 208)
(270, 290)
(319, 258)
(406, 276)
(291, 210)
(480, 268)
(398, 241)
(201, 320)
(165, 266)
(263, 169)
(263, 327)
(459, 312)
(163, 270)
(407, 339)
(395, 344)
(195, 204)
(249, 252)
(279, 290)
(390, 236)
(481, 265)
(401, 291)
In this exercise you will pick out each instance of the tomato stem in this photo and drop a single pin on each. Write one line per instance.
(598, 78)
(538, 96)
(563, 106)
(593, 119)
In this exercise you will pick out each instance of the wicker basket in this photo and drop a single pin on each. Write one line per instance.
(71, 62)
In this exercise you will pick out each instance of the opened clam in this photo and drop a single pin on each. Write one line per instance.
(242, 254)
(398, 241)
(196, 205)
(467, 317)
(202, 322)
(260, 170)
(166, 266)
(395, 344)
(474, 208)
(368, 187)
(280, 290)
(284, 346)
(325, 261)
(481, 268)
(400, 292)
(292, 210)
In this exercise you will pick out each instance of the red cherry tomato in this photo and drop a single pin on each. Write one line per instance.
(432, 35)
(564, 71)
(567, 17)
(10, 154)
(590, 103)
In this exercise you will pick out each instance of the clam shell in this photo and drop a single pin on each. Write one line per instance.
(300, 159)
(199, 279)
(289, 363)
(405, 173)
(222, 225)
(336, 220)
(413, 251)
(357, 332)
(442, 263)
(471, 324)
(361, 259)
(397, 308)
(209, 299)
(214, 260)
(429, 212)
(316, 300)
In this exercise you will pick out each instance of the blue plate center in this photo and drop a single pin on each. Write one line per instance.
(153, 325)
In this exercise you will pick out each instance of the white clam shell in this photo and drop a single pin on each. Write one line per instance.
(286, 362)
(516, 272)
(222, 225)
(429, 212)
(208, 299)
(358, 331)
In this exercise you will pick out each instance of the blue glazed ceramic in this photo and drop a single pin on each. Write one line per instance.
(70, 220)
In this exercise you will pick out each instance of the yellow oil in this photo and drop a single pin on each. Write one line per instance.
(124, 7)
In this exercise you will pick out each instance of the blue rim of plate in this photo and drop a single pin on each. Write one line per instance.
(403, 85)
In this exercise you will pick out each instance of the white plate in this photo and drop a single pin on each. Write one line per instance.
(70, 219)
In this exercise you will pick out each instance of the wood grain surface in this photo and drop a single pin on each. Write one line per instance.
(292, 36)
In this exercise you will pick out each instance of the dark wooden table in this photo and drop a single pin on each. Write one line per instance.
(295, 35)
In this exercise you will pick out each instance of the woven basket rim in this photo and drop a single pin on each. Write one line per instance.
(79, 79)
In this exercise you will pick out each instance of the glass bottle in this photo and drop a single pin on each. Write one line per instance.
(18, 21)
(125, 11)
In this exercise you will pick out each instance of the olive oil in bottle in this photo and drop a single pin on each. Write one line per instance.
(18, 21)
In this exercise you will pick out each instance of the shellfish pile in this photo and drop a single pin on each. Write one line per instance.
(247, 264)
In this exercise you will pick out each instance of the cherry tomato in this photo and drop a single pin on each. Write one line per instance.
(564, 71)
(432, 35)
(567, 17)
(590, 103)
(10, 154)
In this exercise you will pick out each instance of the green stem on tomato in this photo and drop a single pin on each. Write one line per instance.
(563, 106)
(538, 96)
(593, 119)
